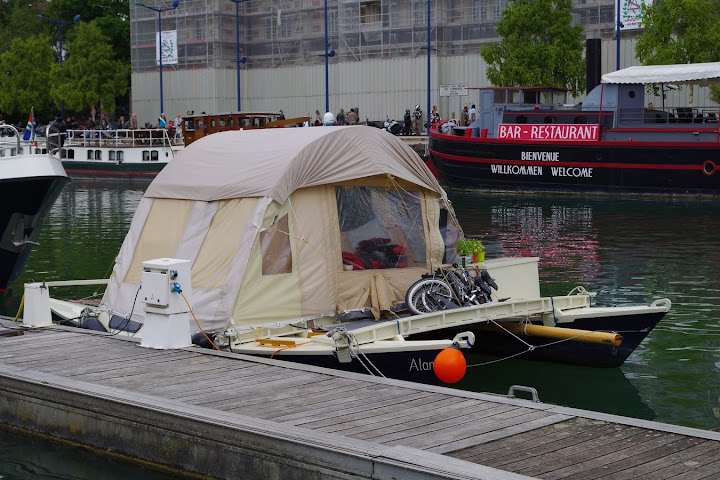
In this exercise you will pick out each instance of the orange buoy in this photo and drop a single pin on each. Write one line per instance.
(450, 365)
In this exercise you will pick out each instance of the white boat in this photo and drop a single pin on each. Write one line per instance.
(29, 185)
(301, 245)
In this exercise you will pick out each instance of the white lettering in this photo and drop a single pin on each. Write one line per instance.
(540, 156)
(420, 366)
(516, 169)
(585, 172)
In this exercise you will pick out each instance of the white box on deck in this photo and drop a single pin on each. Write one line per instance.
(159, 278)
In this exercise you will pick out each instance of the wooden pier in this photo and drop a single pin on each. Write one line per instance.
(232, 416)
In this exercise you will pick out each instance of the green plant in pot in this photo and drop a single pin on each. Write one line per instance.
(471, 247)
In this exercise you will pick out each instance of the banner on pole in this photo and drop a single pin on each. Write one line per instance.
(631, 13)
(166, 45)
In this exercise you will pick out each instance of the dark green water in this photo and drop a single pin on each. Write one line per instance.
(626, 250)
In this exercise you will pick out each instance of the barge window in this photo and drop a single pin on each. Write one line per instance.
(222, 122)
(229, 123)
(146, 156)
(530, 97)
(514, 97)
(90, 155)
(154, 156)
(98, 154)
(499, 96)
(120, 156)
(70, 153)
(111, 155)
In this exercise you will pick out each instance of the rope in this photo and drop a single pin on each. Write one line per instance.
(20, 309)
(355, 343)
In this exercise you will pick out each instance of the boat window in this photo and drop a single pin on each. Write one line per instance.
(244, 122)
(258, 122)
(90, 155)
(71, 153)
(212, 123)
(2, 152)
(111, 155)
(120, 156)
(229, 123)
(380, 228)
(221, 122)
(514, 97)
(275, 248)
(546, 98)
(198, 124)
(499, 96)
(189, 126)
(146, 156)
(98, 154)
(529, 96)
(154, 156)
(15, 150)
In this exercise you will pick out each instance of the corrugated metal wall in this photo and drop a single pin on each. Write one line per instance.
(379, 88)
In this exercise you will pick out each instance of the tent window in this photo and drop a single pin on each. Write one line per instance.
(449, 232)
(275, 248)
(380, 228)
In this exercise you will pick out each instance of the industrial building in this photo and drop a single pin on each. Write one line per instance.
(379, 61)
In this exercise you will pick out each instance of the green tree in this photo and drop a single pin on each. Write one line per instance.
(539, 46)
(25, 74)
(112, 16)
(680, 31)
(91, 76)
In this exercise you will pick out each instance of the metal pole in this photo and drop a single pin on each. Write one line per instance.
(237, 48)
(160, 56)
(617, 34)
(62, 100)
(427, 125)
(327, 80)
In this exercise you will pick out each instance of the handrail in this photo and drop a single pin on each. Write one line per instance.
(17, 134)
(120, 138)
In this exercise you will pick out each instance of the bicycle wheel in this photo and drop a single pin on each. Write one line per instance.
(427, 295)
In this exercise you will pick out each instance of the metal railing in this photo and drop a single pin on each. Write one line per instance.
(122, 138)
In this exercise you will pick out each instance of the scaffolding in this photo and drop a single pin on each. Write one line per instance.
(282, 33)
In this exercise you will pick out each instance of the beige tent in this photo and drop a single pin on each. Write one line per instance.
(289, 224)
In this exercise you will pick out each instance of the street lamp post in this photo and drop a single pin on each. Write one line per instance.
(60, 24)
(238, 60)
(331, 53)
(159, 11)
(617, 34)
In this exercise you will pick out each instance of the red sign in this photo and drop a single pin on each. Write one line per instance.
(549, 132)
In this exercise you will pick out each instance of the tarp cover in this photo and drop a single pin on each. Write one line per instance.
(695, 73)
(253, 163)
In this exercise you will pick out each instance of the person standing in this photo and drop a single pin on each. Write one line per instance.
(133, 122)
(352, 117)
(434, 116)
(472, 114)
(464, 117)
(407, 123)
(417, 120)
(341, 117)
(162, 122)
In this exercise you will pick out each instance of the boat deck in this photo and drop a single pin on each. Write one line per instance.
(218, 414)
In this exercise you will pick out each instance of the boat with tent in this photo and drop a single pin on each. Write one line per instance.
(614, 141)
(302, 247)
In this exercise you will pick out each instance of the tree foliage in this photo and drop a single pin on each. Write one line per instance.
(538, 47)
(680, 31)
(25, 74)
(90, 76)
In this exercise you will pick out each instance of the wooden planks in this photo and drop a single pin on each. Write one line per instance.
(516, 436)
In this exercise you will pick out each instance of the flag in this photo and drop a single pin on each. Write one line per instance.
(30, 128)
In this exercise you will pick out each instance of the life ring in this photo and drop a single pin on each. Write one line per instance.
(708, 167)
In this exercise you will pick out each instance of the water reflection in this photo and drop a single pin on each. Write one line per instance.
(629, 251)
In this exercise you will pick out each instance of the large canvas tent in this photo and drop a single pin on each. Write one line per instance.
(289, 224)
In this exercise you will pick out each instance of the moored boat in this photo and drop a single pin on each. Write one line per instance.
(531, 139)
(302, 248)
(29, 185)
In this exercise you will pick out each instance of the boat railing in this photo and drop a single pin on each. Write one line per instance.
(706, 116)
(122, 138)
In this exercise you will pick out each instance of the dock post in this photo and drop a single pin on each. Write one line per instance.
(166, 289)
(37, 305)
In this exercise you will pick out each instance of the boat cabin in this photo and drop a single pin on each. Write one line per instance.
(198, 126)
